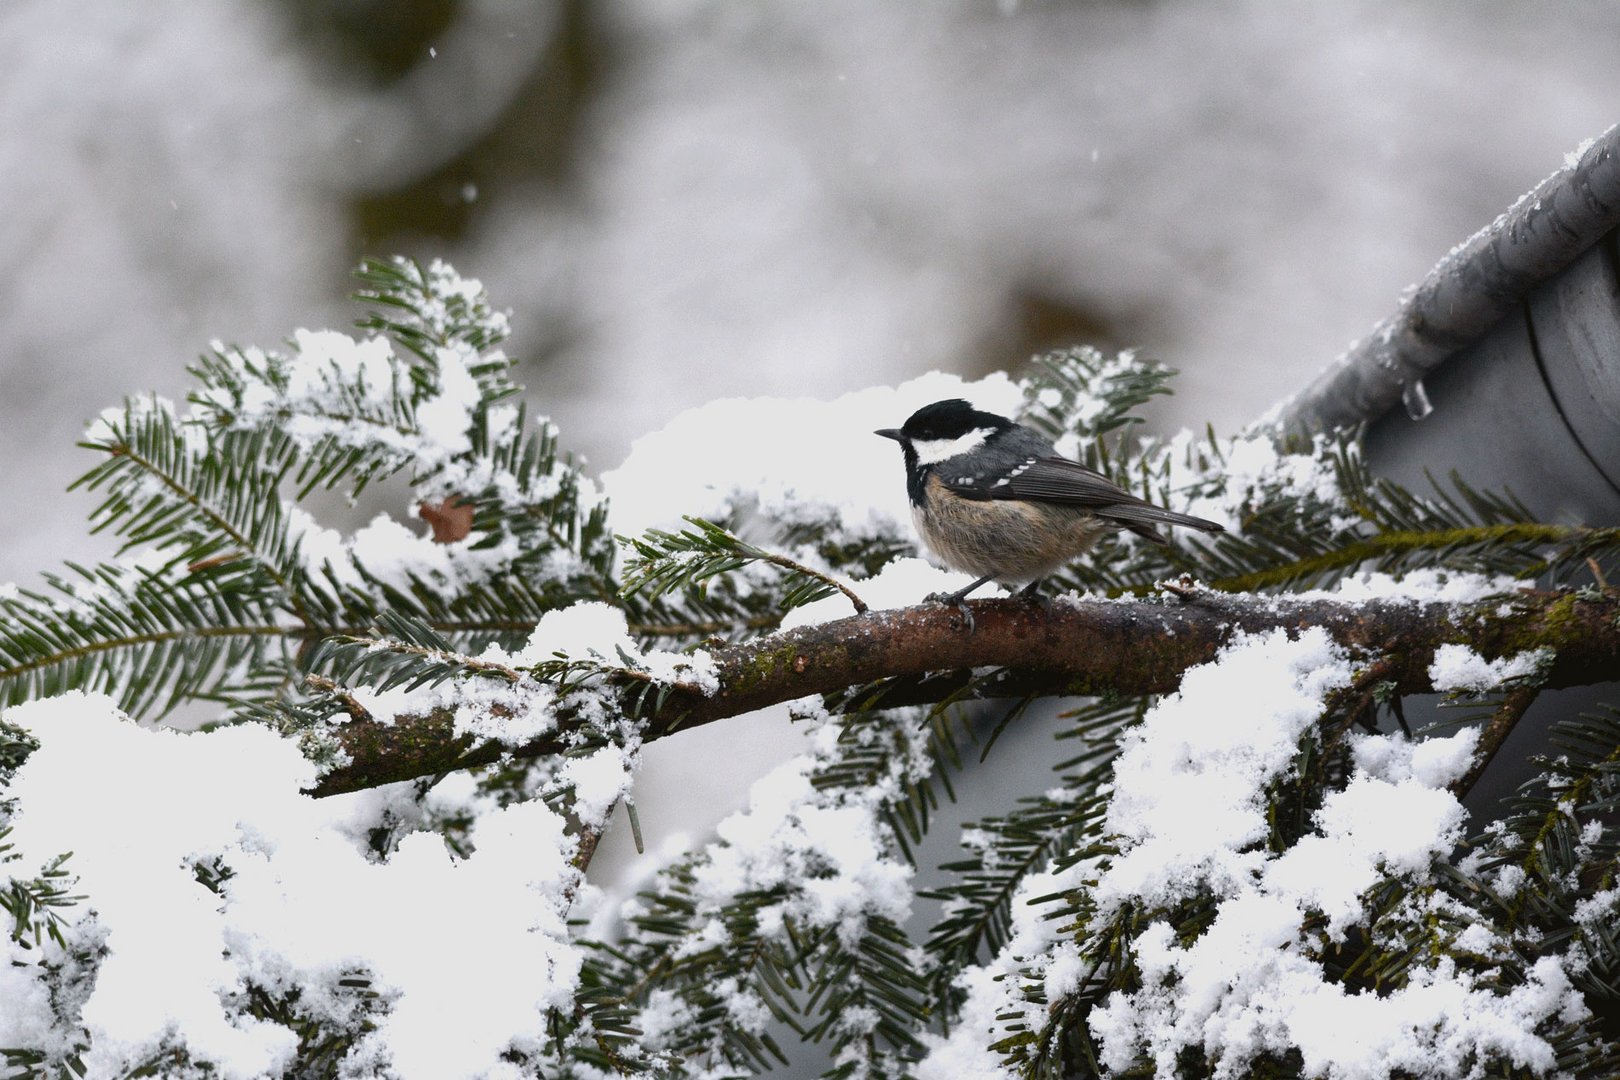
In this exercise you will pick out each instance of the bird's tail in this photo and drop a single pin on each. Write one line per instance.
(1141, 518)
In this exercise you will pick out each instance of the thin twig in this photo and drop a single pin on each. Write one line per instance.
(350, 703)
(471, 663)
(1597, 572)
(1494, 734)
(786, 563)
(589, 837)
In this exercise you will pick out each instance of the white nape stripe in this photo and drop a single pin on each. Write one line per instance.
(932, 451)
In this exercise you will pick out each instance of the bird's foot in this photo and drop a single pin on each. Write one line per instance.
(958, 600)
(1031, 594)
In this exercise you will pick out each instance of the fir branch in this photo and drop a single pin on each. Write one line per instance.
(34, 905)
(365, 430)
(149, 638)
(1554, 853)
(1396, 546)
(1082, 393)
(406, 652)
(977, 911)
(429, 306)
(167, 489)
(895, 753)
(665, 562)
(879, 978)
(742, 961)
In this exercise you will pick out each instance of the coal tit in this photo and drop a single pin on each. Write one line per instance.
(994, 499)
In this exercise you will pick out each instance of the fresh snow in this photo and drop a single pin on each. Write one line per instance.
(1188, 813)
(469, 951)
(1460, 668)
(789, 459)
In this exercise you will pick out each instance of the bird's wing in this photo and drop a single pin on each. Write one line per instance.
(1056, 479)
(1059, 480)
(1045, 478)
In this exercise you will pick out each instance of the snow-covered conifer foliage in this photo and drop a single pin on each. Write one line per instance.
(371, 859)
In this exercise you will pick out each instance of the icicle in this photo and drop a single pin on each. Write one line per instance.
(1416, 400)
(635, 827)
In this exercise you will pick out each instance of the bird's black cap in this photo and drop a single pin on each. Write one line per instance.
(948, 419)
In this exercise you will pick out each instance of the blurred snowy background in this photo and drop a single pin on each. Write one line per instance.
(684, 200)
(688, 199)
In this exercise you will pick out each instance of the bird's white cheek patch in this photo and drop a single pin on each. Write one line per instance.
(930, 451)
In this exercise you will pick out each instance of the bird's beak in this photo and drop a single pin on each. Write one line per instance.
(888, 433)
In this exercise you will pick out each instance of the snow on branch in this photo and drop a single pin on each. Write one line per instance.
(546, 624)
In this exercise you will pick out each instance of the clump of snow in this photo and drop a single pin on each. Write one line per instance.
(789, 460)
(305, 905)
(1394, 816)
(1190, 784)
(587, 628)
(1419, 585)
(1188, 813)
(1573, 157)
(1221, 482)
(591, 629)
(1458, 668)
(1597, 912)
(598, 781)
(664, 1016)
(1432, 763)
(445, 418)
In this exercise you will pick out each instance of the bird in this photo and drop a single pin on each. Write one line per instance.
(993, 498)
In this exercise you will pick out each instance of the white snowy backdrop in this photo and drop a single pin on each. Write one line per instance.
(687, 200)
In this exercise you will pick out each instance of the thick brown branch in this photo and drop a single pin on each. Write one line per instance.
(1071, 648)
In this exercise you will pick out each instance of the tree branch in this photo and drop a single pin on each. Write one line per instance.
(1074, 648)
(1411, 541)
(1494, 734)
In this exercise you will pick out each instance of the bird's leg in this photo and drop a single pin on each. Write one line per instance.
(1032, 592)
(959, 595)
(958, 599)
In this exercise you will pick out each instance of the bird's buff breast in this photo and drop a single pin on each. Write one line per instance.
(1009, 540)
